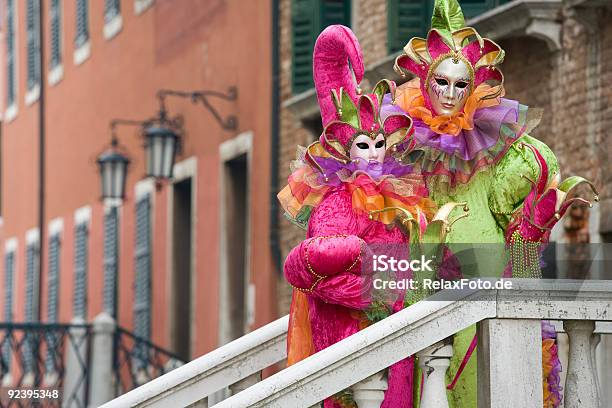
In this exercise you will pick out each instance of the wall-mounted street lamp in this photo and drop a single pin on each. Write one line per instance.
(162, 138)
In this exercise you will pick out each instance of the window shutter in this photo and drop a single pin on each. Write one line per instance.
(56, 40)
(9, 275)
(142, 286)
(407, 19)
(32, 22)
(9, 272)
(53, 279)
(79, 306)
(52, 300)
(10, 51)
(31, 299)
(31, 303)
(111, 224)
(111, 9)
(472, 8)
(308, 19)
(412, 18)
(82, 23)
(334, 12)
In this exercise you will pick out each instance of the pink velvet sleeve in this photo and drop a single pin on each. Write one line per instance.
(328, 264)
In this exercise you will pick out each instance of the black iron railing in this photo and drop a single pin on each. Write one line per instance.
(138, 361)
(48, 364)
(33, 358)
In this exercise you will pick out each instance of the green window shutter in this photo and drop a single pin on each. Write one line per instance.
(111, 9)
(56, 58)
(10, 52)
(82, 23)
(31, 304)
(407, 19)
(472, 8)
(308, 19)
(53, 279)
(80, 270)
(33, 49)
(111, 260)
(142, 262)
(9, 274)
(412, 18)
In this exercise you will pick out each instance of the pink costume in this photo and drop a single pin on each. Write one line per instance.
(333, 194)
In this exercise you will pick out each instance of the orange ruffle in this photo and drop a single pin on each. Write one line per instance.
(407, 192)
(410, 98)
(551, 400)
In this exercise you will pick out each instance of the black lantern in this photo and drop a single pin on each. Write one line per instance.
(160, 150)
(113, 169)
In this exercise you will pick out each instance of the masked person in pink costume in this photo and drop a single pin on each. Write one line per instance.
(336, 190)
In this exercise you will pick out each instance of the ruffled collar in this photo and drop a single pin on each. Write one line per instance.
(372, 187)
(459, 146)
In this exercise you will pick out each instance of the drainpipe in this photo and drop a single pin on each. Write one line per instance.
(41, 154)
(275, 132)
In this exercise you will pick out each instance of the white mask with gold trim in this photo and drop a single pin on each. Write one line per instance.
(449, 86)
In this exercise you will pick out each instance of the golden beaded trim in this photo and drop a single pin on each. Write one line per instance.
(318, 277)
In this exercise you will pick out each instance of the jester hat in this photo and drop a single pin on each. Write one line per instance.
(345, 112)
(449, 38)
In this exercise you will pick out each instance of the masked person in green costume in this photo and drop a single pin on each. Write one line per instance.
(472, 145)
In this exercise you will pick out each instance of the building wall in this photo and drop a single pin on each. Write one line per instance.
(569, 85)
(192, 46)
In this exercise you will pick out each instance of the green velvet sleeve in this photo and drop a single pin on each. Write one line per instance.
(509, 188)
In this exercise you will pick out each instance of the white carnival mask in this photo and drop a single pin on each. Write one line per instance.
(449, 86)
(366, 150)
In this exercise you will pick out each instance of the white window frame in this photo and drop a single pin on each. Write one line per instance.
(113, 27)
(228, 150)
(140, 6)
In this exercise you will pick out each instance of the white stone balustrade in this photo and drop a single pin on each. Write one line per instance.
(581, 384)
(501, 315)
(434, 361)
(370, 393)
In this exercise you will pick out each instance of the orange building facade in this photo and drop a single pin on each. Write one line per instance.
(190, 265)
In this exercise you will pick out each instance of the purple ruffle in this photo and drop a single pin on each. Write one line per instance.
(468, 143)
(337, 171)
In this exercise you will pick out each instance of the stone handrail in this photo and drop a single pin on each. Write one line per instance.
(227, 365)
(509, 320)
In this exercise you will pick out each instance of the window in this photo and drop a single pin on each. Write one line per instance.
(31, 297)
(32, 26)
(412, 18)
(112, 18)
(56, 34)
(82, 23)
(111, 10)
(111, 255)
(53, 299)
(308, 18)
(10, 51)
(9, 277)
(53, 278)
(81, 233)
(142, 286)
(407, 19)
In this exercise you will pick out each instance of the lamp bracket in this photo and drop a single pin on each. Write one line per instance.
(229, 123)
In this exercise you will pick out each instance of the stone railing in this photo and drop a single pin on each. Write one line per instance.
(236, 365)
(507, 320)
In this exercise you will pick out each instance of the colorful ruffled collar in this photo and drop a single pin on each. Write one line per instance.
(372, 187)
(459, 146)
